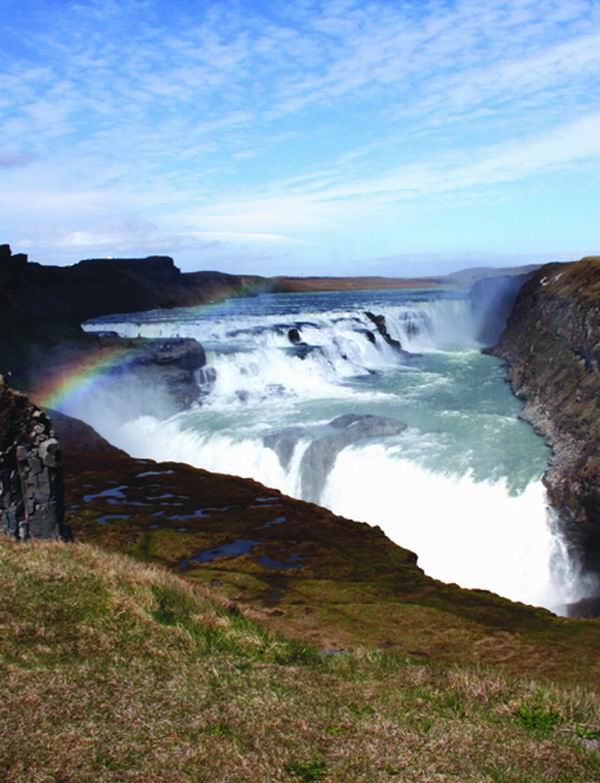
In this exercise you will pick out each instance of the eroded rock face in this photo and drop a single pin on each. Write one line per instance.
(552, 346)
(31, 478)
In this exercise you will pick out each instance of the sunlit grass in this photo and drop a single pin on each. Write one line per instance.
(115, 671)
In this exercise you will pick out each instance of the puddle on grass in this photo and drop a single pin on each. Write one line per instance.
(241, 546)
(113, 493)
(293, 562)
(277, 521)
(200, 513)
(148, 473)
(268, 500)
(104, 520)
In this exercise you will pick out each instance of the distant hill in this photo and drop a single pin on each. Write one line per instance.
(466, 277)
(288, 285)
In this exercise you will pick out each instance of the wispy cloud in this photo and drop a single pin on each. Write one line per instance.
(246, 124)
(12, 160)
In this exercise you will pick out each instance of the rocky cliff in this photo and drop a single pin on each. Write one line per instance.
(552, 346)
(42, 307)
(31, 477)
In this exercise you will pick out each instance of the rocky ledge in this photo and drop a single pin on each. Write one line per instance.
(552, 348)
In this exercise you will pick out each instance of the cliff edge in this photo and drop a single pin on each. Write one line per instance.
(552, 346)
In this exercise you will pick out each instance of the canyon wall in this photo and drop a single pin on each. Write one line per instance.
(552, 346)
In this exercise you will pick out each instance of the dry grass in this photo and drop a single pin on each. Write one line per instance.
(580, 277)
(112, 671)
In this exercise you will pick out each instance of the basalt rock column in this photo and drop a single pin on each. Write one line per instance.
(31, 478)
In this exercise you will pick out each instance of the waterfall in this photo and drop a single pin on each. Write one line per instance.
(460, 485)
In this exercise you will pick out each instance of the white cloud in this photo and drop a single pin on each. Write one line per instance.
(256, 128)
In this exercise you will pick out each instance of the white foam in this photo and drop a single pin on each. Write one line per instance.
(254, 358)
(473, 533)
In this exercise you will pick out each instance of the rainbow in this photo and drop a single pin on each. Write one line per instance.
(76, 378)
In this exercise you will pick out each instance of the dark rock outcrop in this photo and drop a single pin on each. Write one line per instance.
(42, 307)
(380, 325)
(552, 347)
(173, 364)
(586, 608)
(31, 478)
(295, 337)
(368, 334)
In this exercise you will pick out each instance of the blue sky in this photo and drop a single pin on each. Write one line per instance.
(334, 137)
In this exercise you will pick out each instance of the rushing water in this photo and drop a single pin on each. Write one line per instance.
(460, 485)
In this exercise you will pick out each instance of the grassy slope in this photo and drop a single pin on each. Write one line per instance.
(115, 671)
(581, 278)
(355, 586)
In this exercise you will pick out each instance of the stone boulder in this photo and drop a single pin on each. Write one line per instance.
(295, 337)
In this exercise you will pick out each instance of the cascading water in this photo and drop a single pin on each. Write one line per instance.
(460, 485)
